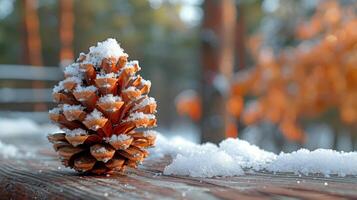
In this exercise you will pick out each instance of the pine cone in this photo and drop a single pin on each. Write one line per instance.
(101, 106)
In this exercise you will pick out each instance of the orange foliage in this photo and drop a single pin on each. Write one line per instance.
(189, 103)
(307, 80)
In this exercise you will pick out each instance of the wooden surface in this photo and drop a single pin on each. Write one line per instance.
(41, 176)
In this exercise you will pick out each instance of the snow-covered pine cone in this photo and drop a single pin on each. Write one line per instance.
(104, 111)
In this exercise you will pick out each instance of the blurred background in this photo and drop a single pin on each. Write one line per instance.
(281, 74)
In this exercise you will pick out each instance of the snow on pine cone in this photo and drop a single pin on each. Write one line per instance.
(104, 111)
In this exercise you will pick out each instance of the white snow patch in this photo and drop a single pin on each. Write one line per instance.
(109, 98)
(80, 88)
(75, 132)
(130, 89)
(204, 164)
(73, 70)
(139, 115)
(95, 114)
(110, 75)
(106, 49)
(130, 64)
(145, 102)
(56, 110)
(247, 155)
(101, 150)
(120, 137)
(58, 88)
(231, 156)
(67, 107)
(324, 161)
(145, 82)
(73, 79)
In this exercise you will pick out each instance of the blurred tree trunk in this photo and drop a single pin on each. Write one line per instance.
(240, 36)
(33, 48)
(66, 32)
(32, 33)
(218, 35)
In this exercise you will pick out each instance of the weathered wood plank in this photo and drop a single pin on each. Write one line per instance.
(43, 177)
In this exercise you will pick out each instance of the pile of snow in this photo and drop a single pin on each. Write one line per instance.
(324, 161)
(106, 49)
(232, 156)
(109, 98)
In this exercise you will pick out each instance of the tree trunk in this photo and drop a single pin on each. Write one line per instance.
(218, 34)
(66, 32)
(32, 42)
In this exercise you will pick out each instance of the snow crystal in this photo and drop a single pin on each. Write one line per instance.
(95, 114)
(75, 132)
(109, 98)
(145, 102)
(110, 75)
(73, 70)
(132, 62)
(145, 82)
(139, 115)
(73, 79)
(120, 137)
(67, 107)
(79, 88)
(130, 89)
(58, 88)
(55, 110)
(106, 49)
(101, 150)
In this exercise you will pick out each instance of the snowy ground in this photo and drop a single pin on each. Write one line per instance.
(231, 157)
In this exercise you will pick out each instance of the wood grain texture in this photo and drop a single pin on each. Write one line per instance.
(43, 177)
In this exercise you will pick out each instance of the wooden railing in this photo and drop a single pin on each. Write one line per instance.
(18, 96)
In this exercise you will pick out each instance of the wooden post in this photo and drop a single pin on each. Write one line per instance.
(33, 43)
(32, 32)
(218, 35)
(66, 31)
